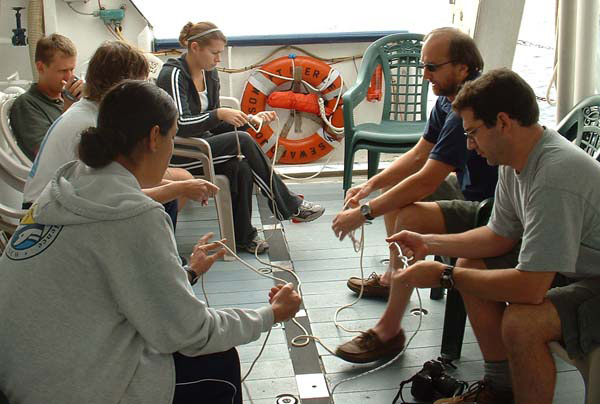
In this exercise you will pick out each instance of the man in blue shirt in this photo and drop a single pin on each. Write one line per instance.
(450, 58)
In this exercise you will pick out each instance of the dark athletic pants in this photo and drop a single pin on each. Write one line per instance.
(254, 168)
(192, 374)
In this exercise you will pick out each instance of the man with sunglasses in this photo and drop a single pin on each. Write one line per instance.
(426, 172)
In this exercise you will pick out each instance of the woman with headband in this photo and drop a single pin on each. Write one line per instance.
(193, 82)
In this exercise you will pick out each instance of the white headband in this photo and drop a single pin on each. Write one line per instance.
(202, 34)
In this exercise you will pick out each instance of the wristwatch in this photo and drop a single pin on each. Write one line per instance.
(193, 275)
(365, 210)
(446, 279)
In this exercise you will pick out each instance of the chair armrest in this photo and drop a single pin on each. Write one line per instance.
(12, 172)
(8, 212)
(7, 133)
(198, 149)
(231, 100)
(11, 212)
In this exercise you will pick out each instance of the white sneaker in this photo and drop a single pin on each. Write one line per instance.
(308, 211)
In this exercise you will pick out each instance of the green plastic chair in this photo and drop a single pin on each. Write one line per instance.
(405, 102)
(582, 125)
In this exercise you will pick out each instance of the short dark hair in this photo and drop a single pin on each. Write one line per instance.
(461, 49)
(127, 114)
(112, 62)
(499, 90)
(48, 46)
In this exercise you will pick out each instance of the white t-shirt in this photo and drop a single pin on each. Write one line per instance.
(59, 146)
(203, 96)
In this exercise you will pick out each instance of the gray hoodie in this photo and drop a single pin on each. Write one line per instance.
(94, 301)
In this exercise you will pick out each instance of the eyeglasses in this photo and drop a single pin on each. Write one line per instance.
(471, 134)
(432, 67)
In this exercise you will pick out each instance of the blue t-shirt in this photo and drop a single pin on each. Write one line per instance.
(445, 129)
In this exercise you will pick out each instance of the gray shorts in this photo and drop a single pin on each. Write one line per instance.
(460, 216)
(577, 307)
(447, 190)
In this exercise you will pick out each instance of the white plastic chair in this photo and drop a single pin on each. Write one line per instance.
(13, 174)
(203, 154)
(223, 197)
(7, 134)
(589, 367)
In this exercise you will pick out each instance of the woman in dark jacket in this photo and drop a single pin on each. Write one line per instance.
(193, 82)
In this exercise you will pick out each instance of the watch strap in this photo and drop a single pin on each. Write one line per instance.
(366, 211)
(193, 275)
(447, 279)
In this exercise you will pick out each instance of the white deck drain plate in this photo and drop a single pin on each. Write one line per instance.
(312, 386)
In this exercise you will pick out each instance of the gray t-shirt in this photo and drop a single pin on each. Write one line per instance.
(553, 204)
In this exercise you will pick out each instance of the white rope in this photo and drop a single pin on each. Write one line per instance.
(212, 380)
(289, 177)
(404, 261)
(305, 338)
(310, 177)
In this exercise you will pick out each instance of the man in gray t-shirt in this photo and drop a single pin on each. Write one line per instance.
(547, 197)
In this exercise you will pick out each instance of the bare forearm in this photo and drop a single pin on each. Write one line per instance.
(164, 193)
(504, 285)
(411, 190)
(476, 243)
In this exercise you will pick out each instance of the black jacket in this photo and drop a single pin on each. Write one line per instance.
(175, 78)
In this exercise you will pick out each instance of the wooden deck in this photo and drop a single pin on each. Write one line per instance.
(323, 264)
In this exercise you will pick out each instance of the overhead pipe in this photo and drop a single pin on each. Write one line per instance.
(50, 19)
(35, 25)
(587, 45)
(567, 19)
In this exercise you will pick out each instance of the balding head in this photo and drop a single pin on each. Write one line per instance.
(460, 48)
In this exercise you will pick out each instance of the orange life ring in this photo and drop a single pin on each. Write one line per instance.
(320, 75)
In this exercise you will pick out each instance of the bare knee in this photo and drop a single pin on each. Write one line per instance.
(406, 218)
(421, 217)
(178, 174)
(514, 326)
(527, 324)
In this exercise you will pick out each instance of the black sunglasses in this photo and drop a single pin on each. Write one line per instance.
(432, 67)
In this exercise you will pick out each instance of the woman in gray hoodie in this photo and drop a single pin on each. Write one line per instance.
(95, 306)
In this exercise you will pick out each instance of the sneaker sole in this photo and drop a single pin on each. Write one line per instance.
(310, 218)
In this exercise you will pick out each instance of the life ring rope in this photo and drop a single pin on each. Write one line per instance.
(316, 78)
(329, 80)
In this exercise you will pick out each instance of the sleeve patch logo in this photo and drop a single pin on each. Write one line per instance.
(30, 240)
